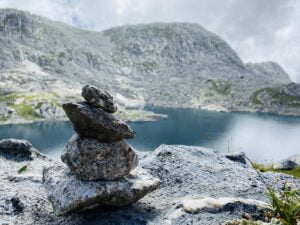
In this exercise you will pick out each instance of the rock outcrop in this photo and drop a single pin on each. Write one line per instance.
(288, 164)
(185, 172)
(99, 161)
(237, 157)
(16, 149)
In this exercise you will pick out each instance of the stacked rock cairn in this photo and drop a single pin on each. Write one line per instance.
(98, 158)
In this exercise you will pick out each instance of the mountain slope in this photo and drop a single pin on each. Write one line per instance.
(43, 63)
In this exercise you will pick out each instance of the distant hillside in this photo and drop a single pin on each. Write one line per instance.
(43, 63)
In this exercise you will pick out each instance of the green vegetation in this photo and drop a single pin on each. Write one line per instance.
(4, 118)
(254, 97)
(285, 206)
(283, 98)
(277, 96)
(243, 222)
(222, 88)
(25, 105)
(262, 168)
(26, 111)
(23, 169)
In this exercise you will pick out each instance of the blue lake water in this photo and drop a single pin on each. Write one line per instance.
(263, 137)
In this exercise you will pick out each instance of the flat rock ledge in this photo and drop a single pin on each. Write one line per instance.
(68, 194)
(215, 205)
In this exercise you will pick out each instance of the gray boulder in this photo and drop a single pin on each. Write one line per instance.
(90, 159)
(20, 148)
(187, 171)
(68, 194)
(288, 164)
(96, 123)
(99, 99)
(237, 157)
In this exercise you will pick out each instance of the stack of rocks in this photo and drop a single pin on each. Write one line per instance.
(98, 158)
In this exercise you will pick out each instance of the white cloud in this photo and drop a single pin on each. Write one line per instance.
(257, 29)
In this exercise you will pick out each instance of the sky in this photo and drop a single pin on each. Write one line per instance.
(259, 30)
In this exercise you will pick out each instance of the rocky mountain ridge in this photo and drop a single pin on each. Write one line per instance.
(44, 63)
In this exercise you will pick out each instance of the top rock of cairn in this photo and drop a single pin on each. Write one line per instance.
(99, 99)
(94, 118)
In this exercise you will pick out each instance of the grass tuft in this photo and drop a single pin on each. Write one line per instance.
(284, 205)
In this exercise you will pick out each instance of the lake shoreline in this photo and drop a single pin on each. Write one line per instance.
(146, 115)
(258, 134)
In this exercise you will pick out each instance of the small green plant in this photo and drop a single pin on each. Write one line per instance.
(230, 145)
(284, 205)
(23, 169)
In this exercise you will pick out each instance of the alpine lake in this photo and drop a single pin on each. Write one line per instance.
(263, 137)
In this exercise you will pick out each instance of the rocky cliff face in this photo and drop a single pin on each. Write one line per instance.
(43, 63)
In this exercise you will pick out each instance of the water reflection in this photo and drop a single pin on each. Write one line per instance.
(263, 138)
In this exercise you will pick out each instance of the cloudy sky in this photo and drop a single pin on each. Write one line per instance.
(259, 30)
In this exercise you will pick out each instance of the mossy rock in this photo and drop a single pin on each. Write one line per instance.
(27, 105)
(26, 112)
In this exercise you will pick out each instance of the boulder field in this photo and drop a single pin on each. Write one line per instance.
(197, 186)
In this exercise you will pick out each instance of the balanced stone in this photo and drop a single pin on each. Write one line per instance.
(99, 99)
(97, 123)
(90, 159)
(68, 194)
